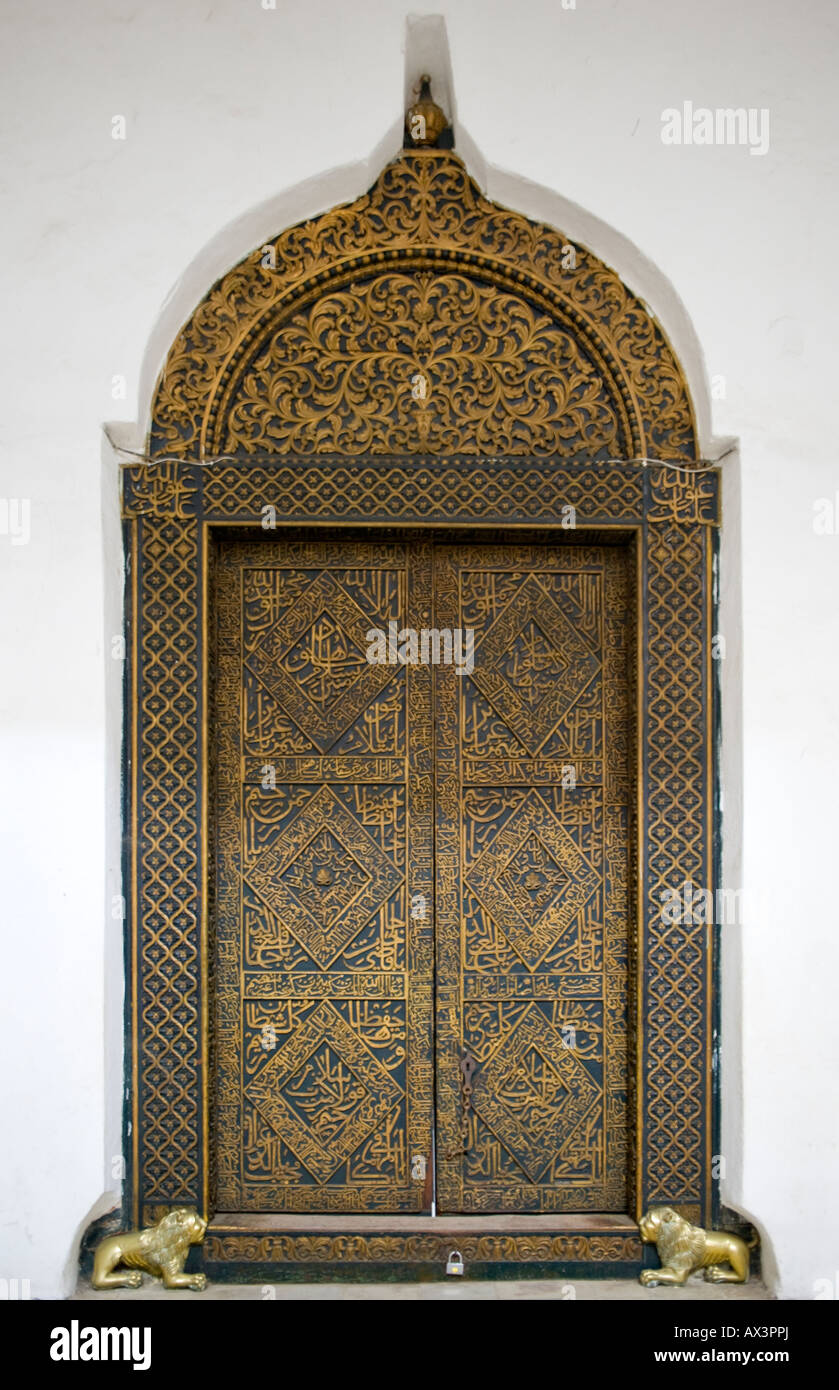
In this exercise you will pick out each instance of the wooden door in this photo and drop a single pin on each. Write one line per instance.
(365, 806)
(323, 974)
(533, 814)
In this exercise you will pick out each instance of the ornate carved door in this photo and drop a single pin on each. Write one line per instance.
(532, 909)
(329, 1058)
(323, 1021)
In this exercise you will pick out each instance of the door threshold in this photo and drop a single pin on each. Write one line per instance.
(279, 1222)
(251, 1247)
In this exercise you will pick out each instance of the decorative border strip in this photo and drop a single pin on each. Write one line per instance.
(419, 1249)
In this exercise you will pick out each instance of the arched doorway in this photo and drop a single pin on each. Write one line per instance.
(358, 886)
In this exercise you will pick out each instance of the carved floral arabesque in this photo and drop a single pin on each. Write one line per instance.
(420, 1249)
(424, 209)
(405, 363)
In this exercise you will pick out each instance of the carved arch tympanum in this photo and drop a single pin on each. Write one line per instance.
(526, 343)
(420, 356)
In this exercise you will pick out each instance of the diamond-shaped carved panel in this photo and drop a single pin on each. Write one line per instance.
(533, 879)
(534, 1093)
(323, 1092)
(325, 878)
(533, 665)
(314, 661)
(325, 661)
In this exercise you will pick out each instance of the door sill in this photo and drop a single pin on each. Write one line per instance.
(245, 1247)
(278, 1222)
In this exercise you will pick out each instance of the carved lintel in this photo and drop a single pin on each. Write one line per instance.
(418, 1248)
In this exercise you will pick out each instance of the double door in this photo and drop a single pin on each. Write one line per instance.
(421, 918)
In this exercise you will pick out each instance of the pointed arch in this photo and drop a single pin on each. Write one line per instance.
(525, 342)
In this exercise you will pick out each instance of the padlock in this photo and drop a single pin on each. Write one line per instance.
(454, 1264)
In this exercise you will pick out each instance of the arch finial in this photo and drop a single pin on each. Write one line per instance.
(425, 121)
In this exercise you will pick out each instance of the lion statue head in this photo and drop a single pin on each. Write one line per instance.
(174, 1233)
(672, 1234)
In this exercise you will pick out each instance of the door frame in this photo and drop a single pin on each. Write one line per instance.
(172, 511)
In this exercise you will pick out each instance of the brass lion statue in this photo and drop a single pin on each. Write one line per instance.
(683, 1249)
(160, 1250)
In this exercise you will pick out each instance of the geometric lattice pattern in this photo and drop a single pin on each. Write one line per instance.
(167, 962)
(427, 490)
(676, 997)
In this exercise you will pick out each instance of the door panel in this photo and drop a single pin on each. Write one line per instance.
(323, 978)
(532, 833)
(329, 884)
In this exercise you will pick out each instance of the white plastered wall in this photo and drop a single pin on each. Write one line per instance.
(110, 244)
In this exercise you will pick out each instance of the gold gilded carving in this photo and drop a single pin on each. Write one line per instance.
(323, 991)
(425, 227)
(676, 596)
(532, 882)
(423, 363)
(683, 496)
(683, 1249)
(677, 832)
(168, 963)
(536, 491)
(160, 1250)
(162, 489)
(420, 1249)
(501, 283)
